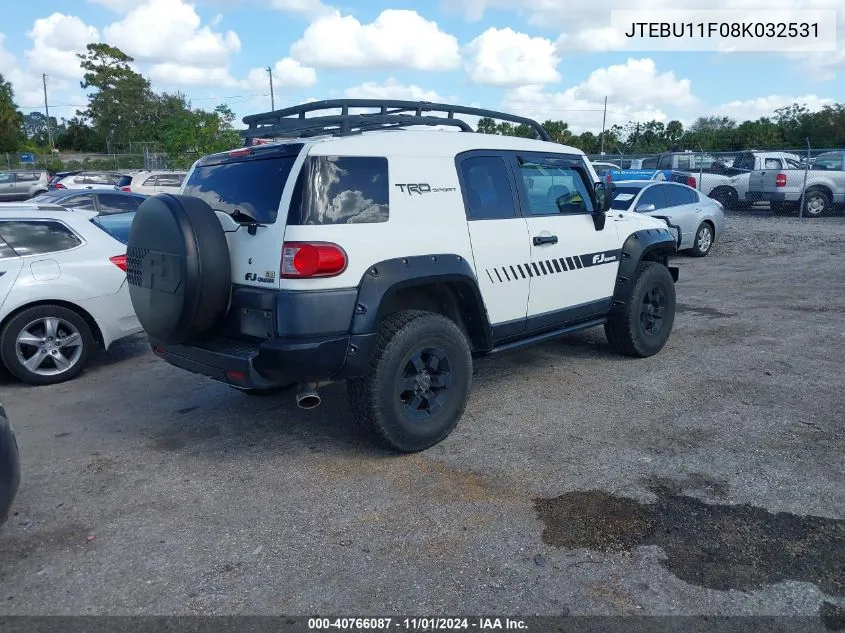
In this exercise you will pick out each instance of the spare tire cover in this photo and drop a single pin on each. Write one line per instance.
(177, 265)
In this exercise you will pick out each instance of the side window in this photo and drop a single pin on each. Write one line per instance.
(677, 195)
(81, 180)
(653, 195)
(341, 190)
(649, 163)
(114, 203)
(152, 181)
(665, 162)
(27, 177)
(685, 162)
(79, 202)
(487, 188)
(112, 179)
(98, 179)
(6, 178)
(170, 180)
(772, 163)
(36, 237)
(554, 186)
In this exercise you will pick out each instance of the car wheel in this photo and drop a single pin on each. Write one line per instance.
(418, 382)
(46, 344)
(817, 203)
(642, 326)
(726, 196)
(703, 240)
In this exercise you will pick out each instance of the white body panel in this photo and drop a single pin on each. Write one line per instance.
(82, 276)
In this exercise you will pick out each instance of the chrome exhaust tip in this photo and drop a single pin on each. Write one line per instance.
(307, 396)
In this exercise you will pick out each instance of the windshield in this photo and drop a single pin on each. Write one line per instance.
(623, 197)
(250, 188)
(833, 160)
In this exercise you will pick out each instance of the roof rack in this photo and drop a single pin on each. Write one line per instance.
(390, 114)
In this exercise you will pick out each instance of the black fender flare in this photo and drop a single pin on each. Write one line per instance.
(646, 244)
(387, 277)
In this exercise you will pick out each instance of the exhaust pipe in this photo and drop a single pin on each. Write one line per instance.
(307, 396)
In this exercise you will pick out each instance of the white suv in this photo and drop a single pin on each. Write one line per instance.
(390, 258)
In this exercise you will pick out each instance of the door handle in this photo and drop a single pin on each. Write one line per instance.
(539, 240)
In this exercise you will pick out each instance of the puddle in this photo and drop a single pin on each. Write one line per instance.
(710, 545)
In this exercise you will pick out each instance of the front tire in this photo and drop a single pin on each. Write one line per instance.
(642, 326)
(417, 386)
(704, 239)
(46, 344)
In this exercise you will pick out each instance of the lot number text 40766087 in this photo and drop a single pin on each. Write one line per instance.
(417, 624)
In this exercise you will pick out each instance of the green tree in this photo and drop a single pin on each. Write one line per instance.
(35, 127)
(11, 120)
(123, 107)
(486, 125)
(192, 133)
(558, 130)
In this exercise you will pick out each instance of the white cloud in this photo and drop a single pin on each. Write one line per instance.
(595, 40)
(396, 38)
(118, 6)
(310, 8)
(56, 40)
(171, 74)
(503, 57)
(753, 109)
(392, 89)
(287, 73)
(170, 31)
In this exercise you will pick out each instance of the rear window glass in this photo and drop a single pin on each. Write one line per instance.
(116, 224)
(250, 188)
(341, 190)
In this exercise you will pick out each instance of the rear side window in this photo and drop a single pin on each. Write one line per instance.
(677, 195)
(152, 181)
(170, 180)
(85, 201)
(115, 203)
(341, 190)
(251, 188)
(116, 224)
(487, 187)
(36, 237)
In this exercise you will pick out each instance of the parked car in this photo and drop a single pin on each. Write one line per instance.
(733, 193)
(89, 180)
(153, 182)
(783, 188)
(10, 468)
(484, 243)
(63, 290)
(698, 221)
(58, 177)
(22, 185)
(100, 200)
(602, 167)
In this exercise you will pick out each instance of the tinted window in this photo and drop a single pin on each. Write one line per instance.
(828, 161)
(623, 197)
(34, 237)
(170, 180)
(341, 190)
(6, 178)
(98, 179)
(28, 177)
(150, 182)
(115, 203)
(85, 201)
(252, 187)
(665, 162)
(677, 195)
(116, 224)
(649, 163)
(554, 186)
(653, 195)
(124, 181)
(6, 250)
(487, 187)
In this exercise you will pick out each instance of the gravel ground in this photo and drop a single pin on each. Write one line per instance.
(706, 480)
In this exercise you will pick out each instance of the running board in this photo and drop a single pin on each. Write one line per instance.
(545, 336)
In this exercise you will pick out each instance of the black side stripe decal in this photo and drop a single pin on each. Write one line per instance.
(551, 266)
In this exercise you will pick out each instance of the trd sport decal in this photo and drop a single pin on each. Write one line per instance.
(502, 274)
(421, 188)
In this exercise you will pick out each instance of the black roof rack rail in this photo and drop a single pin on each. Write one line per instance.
(390, 114)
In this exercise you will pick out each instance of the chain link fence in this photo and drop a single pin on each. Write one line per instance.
(89, 161)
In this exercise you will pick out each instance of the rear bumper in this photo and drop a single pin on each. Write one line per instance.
(272, 363)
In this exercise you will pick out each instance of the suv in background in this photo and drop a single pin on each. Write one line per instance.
(389, 258)
(89, 180)
(23, 185)
(153, 182)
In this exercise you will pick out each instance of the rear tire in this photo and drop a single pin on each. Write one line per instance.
(418, 382)
(46, 344)
(704, 240)
(642, 326)
(817, 203)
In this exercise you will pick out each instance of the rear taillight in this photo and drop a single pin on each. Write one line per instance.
(780, 180)
(119, 261)
(58, 185)
(691, 182)
(244, 151)
(125, 189)
(312, 259)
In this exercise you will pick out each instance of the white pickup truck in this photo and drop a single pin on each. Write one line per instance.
(782, 188)
(728, 185)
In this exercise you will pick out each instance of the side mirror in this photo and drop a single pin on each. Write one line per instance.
(645, 208)
(604, 197)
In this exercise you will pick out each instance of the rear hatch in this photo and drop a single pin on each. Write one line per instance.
(248, 188)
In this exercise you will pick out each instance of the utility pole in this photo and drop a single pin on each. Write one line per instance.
(47, 112)
(603, 120)
(272, 98)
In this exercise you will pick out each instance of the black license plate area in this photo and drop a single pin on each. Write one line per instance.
(256, 323)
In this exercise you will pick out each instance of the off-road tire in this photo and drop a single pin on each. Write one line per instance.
(8, 343)
(376, 399)
(625, 329)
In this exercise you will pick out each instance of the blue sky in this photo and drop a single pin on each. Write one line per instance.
(549, 61)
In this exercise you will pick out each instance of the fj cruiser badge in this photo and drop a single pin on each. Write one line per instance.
(601, 258)
(268, 278)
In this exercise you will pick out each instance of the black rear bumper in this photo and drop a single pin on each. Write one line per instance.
(272, 363)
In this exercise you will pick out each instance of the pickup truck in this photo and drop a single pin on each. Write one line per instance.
(728, 185)
(782, 188)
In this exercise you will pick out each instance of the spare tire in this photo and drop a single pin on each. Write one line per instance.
(177, 265)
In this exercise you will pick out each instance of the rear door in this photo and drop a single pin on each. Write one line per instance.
(10, 268)
(573, 266)
(499, 238)
(7, 185)
(683, 207)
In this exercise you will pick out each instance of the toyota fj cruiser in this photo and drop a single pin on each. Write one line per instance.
(356, 248)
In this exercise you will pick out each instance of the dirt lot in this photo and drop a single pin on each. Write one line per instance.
(707, 479)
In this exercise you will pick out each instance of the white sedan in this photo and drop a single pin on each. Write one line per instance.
(63, 289)
(699, 220)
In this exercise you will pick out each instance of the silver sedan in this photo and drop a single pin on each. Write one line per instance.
(699, 220)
